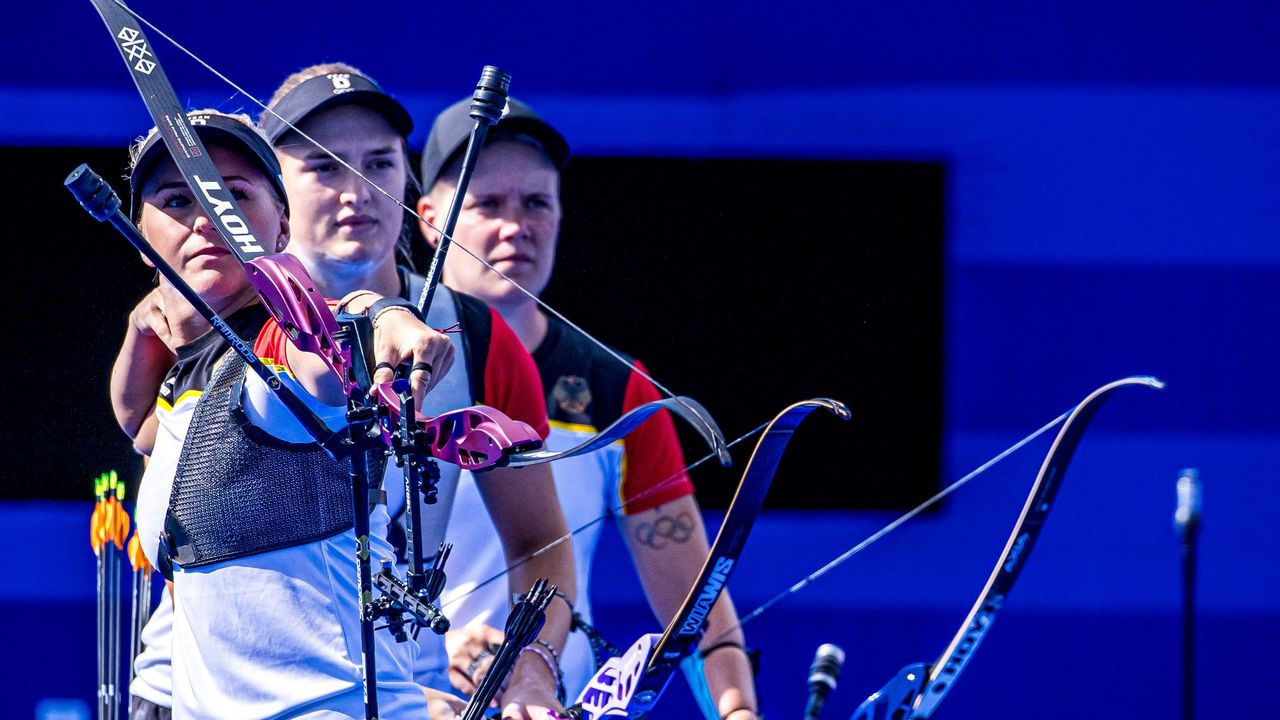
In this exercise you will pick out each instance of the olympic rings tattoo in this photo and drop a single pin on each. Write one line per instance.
(673, 528)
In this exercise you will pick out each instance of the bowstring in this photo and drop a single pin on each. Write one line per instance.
(540, 302)
(864, 544)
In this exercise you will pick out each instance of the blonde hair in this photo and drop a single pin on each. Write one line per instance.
(307, 73)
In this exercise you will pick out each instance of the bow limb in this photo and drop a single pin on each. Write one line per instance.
(630, 685)
(918, 689)
(685, 407)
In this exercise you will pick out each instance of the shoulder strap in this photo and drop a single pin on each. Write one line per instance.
(477, 329)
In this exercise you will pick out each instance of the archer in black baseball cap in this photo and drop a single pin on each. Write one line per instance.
(453, 126)
(345, 87)
(214, 128)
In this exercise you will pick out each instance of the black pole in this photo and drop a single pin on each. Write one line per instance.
(1188, 629)
(364, 572)
(1186, 520)
(487, 104)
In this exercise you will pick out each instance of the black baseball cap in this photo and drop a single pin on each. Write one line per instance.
(325, 91)
(212, 129)
(452, 129)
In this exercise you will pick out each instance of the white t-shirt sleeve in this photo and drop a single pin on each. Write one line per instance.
(265, 410)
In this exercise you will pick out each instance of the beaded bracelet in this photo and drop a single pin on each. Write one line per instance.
(550, 648)
(387, 304)
(389, 308)
(553, 666)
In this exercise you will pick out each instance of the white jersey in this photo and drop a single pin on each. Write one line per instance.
(275, 634)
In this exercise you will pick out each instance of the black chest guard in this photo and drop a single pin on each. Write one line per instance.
(239, 492)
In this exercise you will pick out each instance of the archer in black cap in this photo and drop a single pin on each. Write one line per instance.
(347, 233)
(214, 128)
(452, 128)
(510, 220)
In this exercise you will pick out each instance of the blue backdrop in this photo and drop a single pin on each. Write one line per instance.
(1113, 176)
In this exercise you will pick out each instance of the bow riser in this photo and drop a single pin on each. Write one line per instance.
(290, 296)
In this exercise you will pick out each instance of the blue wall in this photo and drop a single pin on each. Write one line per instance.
(1113, 177)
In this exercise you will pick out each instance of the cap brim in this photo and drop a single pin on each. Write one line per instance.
(385, 105)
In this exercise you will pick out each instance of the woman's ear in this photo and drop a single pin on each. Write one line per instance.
(282, 239)
(427, 216)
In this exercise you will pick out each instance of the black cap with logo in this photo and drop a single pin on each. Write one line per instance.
(212, 129)
(325, 91)
(452, 129)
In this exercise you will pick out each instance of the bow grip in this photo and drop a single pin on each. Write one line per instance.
(612, 691)
(289, 294)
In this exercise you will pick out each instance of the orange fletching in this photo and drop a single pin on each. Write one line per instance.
(96, 536)
(120, 528)
(137, 558)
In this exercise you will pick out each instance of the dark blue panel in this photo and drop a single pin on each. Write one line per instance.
(1016, 333)
(671, 48)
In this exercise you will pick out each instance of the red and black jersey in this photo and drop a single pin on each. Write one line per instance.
(587, 387)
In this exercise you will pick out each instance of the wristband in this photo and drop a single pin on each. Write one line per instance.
(565, 598)
(720, 646)
(388, 304)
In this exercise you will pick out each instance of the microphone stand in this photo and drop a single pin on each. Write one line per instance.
(1186, 520)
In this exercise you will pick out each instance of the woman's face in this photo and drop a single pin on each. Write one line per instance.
(510, 217)
(337, 218)
(183, 235)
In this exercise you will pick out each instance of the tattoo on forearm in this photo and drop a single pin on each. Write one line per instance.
(666, 528)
